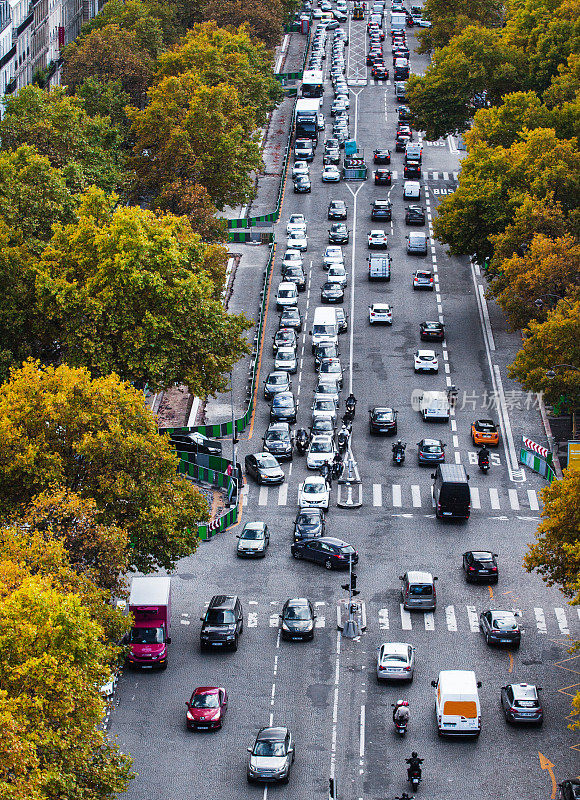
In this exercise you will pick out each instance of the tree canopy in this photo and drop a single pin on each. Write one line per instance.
(264, 18)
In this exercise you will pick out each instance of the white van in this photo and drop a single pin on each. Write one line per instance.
(324, 327)
(457, 707)
(287, 295)
(435, 407)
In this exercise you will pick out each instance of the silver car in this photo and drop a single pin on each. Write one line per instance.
(395, 661)
(417, 243)
(271, 757)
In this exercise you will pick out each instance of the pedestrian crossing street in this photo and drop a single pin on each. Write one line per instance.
(398, 497)
(426, 175)
(456, 619)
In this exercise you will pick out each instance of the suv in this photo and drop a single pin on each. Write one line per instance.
(222, 623)
(418, 590)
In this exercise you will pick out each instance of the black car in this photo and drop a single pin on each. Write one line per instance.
(404, 113)
(432, 332)
(283, 408)
(322, 425)
(253, 541)
(412, 169)
(380, 72)
(291, 318)
(480, 566)
(383, 177)
(331, 292)
(500, 628)
(302, 185)
(278, 440)
(414, 215)
(297, 619)
(196, 443)
(383, 421)
(331, 156)
(338, 233)
(295, 273)
(330, 144)
(401, 142)
(570, 790)
(430, 451)
(324, 350)
(521, 703)
(382, 209)
(382, 156)
(332, 553)
(264, 468)
(309, 524)
(337, 209)
(222, 623)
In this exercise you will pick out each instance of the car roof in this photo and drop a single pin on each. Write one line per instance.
(255, 526)
(432, 324)
(223, 601)
(431, 441)
(500, 614)
(477, 554)
(332, 540)
(278, 426)
(272, 734)
(396, 647)
(380, 306)
(417, 235)
(297, 601)
(417, 576)
(524, 691)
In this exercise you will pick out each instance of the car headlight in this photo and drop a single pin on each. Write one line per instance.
(310, 625)
(285, 627)
(189, 715)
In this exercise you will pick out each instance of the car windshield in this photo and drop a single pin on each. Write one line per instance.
(321, 447)
(206, 701)
(297, 612)
(308, 519)
(383, 416)
(283, 402)
(269, 749)
(286, 293)
(421, 589)
(314, 488)
(278, 380)
(266, 461)
(146, 636)
(217, 616)
(277, 436)
(254, 534)
(505, 624)
(285, 355)
(324, 405)
(329, 367)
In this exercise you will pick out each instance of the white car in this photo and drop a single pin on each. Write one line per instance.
(287, 295)
(331, 368)
(328, 389)
(314, 493)
(296, 223)
(424, 23)
(300, 168)
(324, 407)
(378, 239)
(286, 360)
(321, 451)
(298, 241)
(320, 122)
(380, 313)
(426, 361)
(337, 274)
(395, 661)
(411, 190)
(332, 255)
(330, 174)
(292, 258)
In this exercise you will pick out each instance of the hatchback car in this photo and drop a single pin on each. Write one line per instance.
(287, 294)
(195, 442)
(331, 369)
(432, 332)
(395, 662)
(291, 318)
(480, 566)
(417, 243)
(383, 177)
(292, 258)
(297, 620)
(283, 408)
(284, 337)
(404, 113)
(380, 314)
(382, 209)
(321, 450)
(500, 628)
(206, 708)
(425, 361)
(377, 240)
(330, 174)
(302, 185)
(332, 255)
(423, 279)
(338, 233)
(286, 360)
(411, 190)
(279, 441)
(382, 421)
(253, 540)
(401, 141)
(296, 222)
(337, 274)
(309, 524)
(430, 451)
(380, 72)
(298, 169)
(314, 493)
(484, 431)
(521, 703)
(331, 156)
(412, 169)
(332, 292)
(322, 423)
(382, 156)
(325, 349)
(295, 274)
(328, 551)
(298, 240)
(276, 382)
(337, 209)
(414, 215)
(271, 757)
(264, 468)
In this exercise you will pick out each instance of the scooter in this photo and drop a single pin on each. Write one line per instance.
(342, 440)
(336, 469)
(484, 465)
(302, 441)
(401, 728)
(398, 454)
(414, 777)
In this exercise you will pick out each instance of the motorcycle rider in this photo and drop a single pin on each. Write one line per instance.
(414, 767)
(325, 472)
(351, 403)
(302, 439)
(399, 447)
(483, 456)
(336, 465)
(401, 713)
(342, 438)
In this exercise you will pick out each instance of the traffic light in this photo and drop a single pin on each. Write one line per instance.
(353, 589)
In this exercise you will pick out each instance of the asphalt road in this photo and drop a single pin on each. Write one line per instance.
(325, 691)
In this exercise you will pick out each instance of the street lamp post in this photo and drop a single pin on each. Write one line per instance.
(551, 374)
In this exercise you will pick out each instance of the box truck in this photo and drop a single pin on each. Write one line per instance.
(306, 118)
(150, 606)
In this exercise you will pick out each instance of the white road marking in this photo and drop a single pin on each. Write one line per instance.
(384, 619)
(514, 500)
(475, 502)
(429, 621)
(283, 494)
(361, 750)
(445, 176)
(416, 496)
(473, 619)
(494, 499)
(450, 618)
(540, 620)
(457, 457)
(335, 707)
(377, 494)
(274, 620)
(397, 502)
(252, 619)
(405, 619)
(263, 496)
(533, 501)
(562, 621)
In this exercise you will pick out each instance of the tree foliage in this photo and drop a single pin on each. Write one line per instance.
(109, 54)
(264, 18)
(128, 291)
(87, 149)
(154, 22)
(185, 198)
(95, 437)
(450, 17)
(105, 99)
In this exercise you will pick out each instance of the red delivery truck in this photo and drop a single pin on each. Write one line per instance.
(150, 605)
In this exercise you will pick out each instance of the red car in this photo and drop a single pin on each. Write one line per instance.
(206, 708)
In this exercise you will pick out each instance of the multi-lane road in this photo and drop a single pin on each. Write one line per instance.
(325, 691)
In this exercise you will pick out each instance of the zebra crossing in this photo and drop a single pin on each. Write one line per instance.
(398, 497)
(427, 174)
(464, 619)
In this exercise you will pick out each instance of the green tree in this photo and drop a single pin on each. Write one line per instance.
(52, 659)
(501, 126)
(476, 61)
(220, 56)
(128, 291)
(549, 343)
(186, 199)
(87, 149)
(548, 267)
(105, 99)
(109, 54)
(449, 19)
(199, 134)
(60, 428)
(153, 22)
(264, 18)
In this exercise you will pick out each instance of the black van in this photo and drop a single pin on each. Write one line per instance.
(451, 495)
(222, 622)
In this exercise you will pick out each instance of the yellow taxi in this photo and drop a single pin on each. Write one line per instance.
(484, 431)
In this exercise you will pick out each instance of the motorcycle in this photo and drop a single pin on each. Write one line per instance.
(400, 724)
(350, 405)
(348, 416)
(336, 469)
(399, 453)
(342, 439)
(302, 440)
(484, 465)
(401, 728)
(414, 777)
